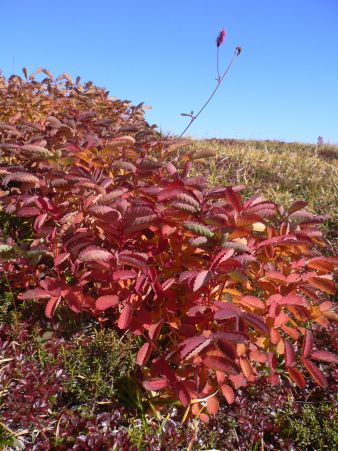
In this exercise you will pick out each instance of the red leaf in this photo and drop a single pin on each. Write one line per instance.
(61, 258)
(192, 346)
(221, 256)
(324, 356)
(28, 211)
(281, 319)
(297, 377)
(51, 306)
(94, 255)
(297, 206)
(219, 364)
(124, 274)
(202, 278)
(255, 322)
(315, 372)
(133, 259)
(258, 356)
(125, 317)
(252, 301)
(21, 177)
(276, 275)
(235, 337)
(228, 393)
(183, 395)
(289, 354)
(143, 354)
(155, 384)
(307, 344)
(35, 293)
(233, 198)
(40, 220)
(105, 302)
(323, 284)
(321, 263)
(154, 330)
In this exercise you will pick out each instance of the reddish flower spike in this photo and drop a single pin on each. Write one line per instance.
(220, 37)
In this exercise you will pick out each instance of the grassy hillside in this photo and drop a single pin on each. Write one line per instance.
(283, 172)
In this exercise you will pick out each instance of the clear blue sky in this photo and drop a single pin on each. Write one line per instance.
(283, 86)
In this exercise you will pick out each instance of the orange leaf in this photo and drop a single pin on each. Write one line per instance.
(228, 393)
(297, 377)
(212, 405)
(323, 284)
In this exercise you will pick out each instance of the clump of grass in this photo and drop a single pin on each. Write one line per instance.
(94, 365)
(313, 427)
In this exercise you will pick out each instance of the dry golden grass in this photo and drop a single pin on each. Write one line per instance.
(283, 172)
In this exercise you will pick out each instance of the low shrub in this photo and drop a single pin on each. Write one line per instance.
(220, 291)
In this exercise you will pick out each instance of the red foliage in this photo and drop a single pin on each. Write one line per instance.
(220, 289)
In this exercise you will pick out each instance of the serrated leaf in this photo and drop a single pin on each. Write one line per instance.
(192, 346)
(289, 354)
(315, 373)
(321, 263)
(187, 199)
(199, 229)
(28, 211)
(94, 255)
(256, 322)
(51, 307)
(297, 377)
(36, 151)
(219, 364)
(201, 279)
(183, 207)
(23, 177)
(234, 337)
(233, 198)
(124, 165)
(252, 301)
(199, 241)
(297, 206)
(324, 356)
(61, 258)
(307, 344)
(325, 285)
(124, 274)
(35, 293)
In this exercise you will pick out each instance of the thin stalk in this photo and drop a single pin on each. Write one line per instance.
(193, 118)
(218, 75)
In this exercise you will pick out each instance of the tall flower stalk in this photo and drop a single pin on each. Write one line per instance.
(219, 41)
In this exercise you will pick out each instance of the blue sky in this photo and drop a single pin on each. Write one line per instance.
(283, 86)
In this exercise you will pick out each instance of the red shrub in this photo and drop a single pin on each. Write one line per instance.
(221, 290)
